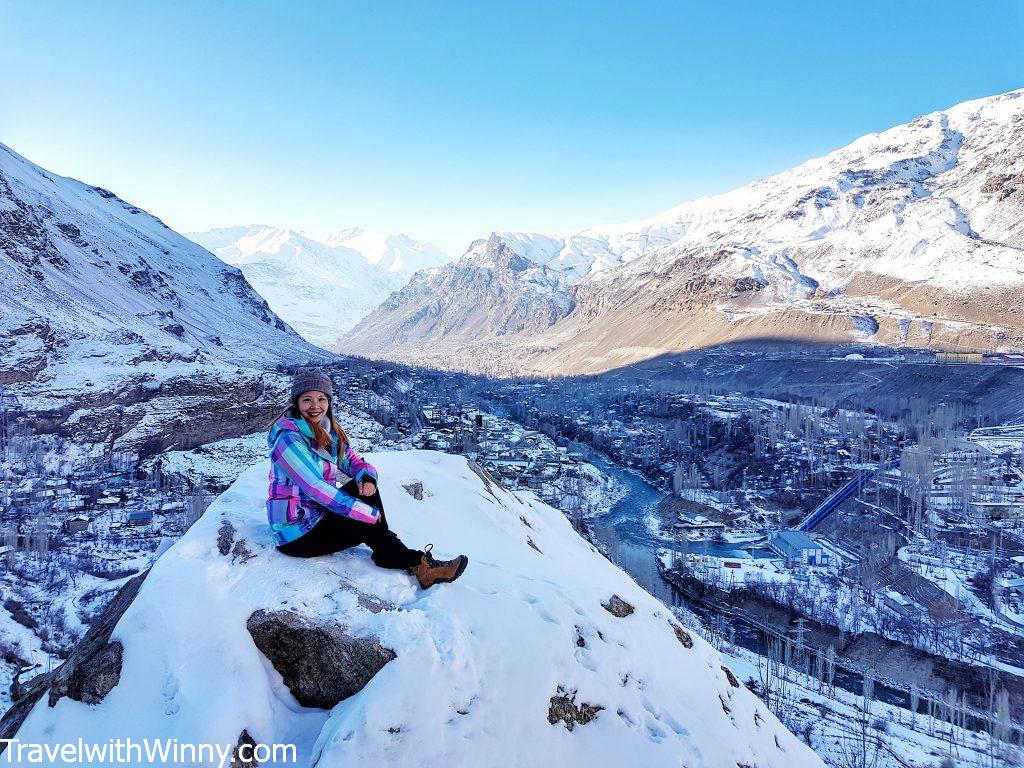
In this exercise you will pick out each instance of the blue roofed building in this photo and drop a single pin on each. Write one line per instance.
(798, 548)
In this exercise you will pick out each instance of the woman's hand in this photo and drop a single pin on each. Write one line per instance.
(367, 488)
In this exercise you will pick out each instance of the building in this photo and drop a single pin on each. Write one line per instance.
(140, 517)
(903, 605)
(798, 548)
(76, 524)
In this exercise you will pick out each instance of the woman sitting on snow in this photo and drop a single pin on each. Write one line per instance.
(309, 514)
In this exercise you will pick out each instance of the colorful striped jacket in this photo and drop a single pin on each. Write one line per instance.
(303, 480)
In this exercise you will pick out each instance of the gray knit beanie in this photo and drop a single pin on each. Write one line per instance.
(309, 380)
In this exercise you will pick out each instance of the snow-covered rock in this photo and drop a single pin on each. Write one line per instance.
(517, 663)
(913, 235)
(321, 288)
(105, 308)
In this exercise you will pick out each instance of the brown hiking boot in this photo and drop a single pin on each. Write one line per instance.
(431, 571)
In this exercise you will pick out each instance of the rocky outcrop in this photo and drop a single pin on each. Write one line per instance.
(212, 643)
(616, 606)
(682, 635)
(563, 708)
(90, 672)
(244, 758)
(321, 664)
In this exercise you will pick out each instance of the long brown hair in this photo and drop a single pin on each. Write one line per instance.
(320, 435)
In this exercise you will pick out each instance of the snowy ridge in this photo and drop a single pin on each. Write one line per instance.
(477, 662)
(321, 287)
(116, 331)
(83, 261)
(921, 218)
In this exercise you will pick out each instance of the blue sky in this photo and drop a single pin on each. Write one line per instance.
(448, 120)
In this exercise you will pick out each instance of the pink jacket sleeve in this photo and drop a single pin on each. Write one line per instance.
(355, 466)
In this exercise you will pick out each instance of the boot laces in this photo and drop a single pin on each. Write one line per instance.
(431, 560)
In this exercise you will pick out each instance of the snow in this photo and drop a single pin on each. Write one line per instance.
(908, 205)
(109, 273)
(830, 715)
(496, 645)
(322, 288)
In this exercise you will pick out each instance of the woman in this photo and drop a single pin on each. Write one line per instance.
(309, 515)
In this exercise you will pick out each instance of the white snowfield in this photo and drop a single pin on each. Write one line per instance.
(321, 287)
(478, 661)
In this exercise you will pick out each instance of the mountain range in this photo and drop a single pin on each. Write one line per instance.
(117, 330)
(911, 236)
(322, 288)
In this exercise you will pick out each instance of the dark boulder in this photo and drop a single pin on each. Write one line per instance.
(321, 664)
(682, 635)
(616, 606)
(563, 708)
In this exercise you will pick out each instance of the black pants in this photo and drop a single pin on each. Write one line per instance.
(334, 532)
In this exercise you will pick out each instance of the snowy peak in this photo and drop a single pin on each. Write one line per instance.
(82, 267)
(392, 253)
(543, 653)
(913, 235)
(321, 287)
(116, 331)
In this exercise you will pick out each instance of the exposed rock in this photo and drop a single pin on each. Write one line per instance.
(320, 664)
(682, 635)
(730, 677)
(240, 552)
(90, 672)
(746, 283)
(531, 543)
(488, 480)
(244, 739)
(225, 537)
(563, 708)
(415, 489)
(616, 606)
(374, 604)
(89, 682)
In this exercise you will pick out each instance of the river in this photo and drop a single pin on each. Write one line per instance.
(632, 542)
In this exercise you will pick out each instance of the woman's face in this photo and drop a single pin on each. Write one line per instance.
(313, 406)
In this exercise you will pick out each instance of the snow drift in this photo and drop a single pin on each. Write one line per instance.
(544, 653)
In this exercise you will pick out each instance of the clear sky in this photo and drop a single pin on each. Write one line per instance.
(448, 120)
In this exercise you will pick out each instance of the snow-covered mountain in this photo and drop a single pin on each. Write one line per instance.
(543, 653)
(322, 288)
(110, 319)
(913, 235)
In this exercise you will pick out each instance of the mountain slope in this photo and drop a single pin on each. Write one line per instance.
(913, 235)
(321, 288)
(105, 307)
(517, 662)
